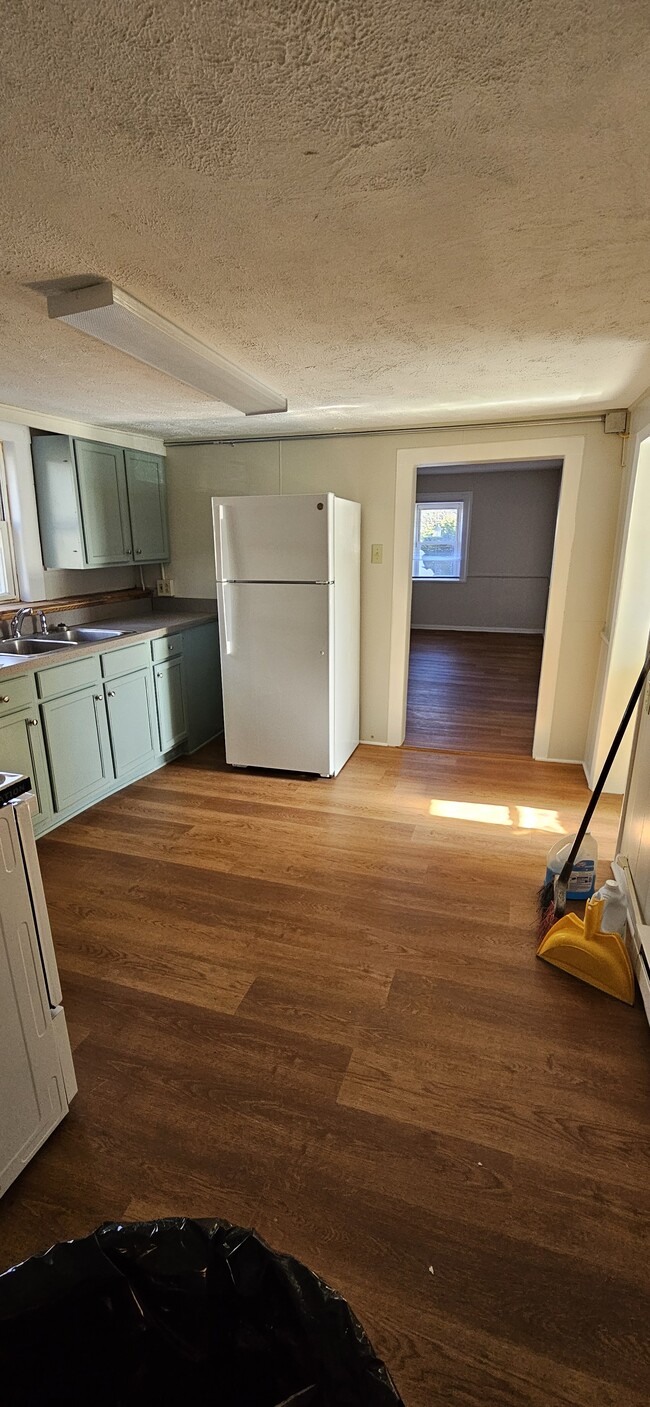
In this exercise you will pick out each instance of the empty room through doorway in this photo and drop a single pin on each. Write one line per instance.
(482, 556)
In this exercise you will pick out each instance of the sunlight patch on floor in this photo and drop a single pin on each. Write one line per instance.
(525, 818)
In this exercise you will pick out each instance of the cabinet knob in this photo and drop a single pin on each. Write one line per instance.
(138, 551)
(128, 551)
(33, 722)
(110, 693)
(97, 698)
(5, 698)
(158, 674)
(170, 647)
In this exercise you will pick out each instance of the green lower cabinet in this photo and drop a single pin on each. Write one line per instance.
(21, 750)
(132, 722)
(78, 745)
(170, 703)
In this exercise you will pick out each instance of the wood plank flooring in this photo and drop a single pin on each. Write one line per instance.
(314, 1007)
(473, 692)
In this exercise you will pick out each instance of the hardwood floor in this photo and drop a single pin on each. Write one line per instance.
(314, 1007)
(473, 692)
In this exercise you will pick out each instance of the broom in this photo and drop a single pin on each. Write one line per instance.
(551, 899)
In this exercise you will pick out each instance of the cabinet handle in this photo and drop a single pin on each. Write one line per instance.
(138, 551)
(128, 551)
(110, 693)
(170, 647)
(33, 722)
(159, 675)
(5, 698)
(97, 698)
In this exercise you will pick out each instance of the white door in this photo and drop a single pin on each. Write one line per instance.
(275, 672)
(274, 537)
(635, 839)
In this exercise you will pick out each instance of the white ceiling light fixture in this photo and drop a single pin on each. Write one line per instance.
(107, 313)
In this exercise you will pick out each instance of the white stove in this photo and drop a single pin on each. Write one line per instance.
(37, 1079)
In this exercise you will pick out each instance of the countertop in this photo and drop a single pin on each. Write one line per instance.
(149, 626)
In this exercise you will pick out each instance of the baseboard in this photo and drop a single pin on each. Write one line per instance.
(484, 629)
(373, 742)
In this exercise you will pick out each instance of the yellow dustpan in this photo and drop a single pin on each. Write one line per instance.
(581, 949)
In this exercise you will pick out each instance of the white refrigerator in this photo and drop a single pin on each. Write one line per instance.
(288, 584)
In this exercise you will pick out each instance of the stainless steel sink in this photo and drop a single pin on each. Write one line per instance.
(83, 635)
(33, 645)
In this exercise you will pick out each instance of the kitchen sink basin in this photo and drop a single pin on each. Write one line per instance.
(84, 635)
(32, 645)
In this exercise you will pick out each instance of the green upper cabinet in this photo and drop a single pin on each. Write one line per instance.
(145, 478)
(99, 505)
(101, 475)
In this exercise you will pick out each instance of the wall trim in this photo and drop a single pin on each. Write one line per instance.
(485, 629)
(408, 461)
(65, 425)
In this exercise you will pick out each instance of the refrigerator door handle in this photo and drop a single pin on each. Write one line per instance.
(226, 617)
(223, 543)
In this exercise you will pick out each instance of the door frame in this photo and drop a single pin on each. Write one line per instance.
(570, 450)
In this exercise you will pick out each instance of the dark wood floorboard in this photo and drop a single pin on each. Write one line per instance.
(314, 1007)
(473, 692)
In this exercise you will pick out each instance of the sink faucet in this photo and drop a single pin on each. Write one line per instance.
(38, 618)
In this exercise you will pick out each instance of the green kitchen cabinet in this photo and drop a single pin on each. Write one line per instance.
(78, 745)
(98, 505)
(202, 677)
(145, 478)
(170, 703)
(21, 750)
(131, 722)
(101, 473)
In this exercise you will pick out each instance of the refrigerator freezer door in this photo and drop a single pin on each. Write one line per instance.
(276, 677)
(274, 537)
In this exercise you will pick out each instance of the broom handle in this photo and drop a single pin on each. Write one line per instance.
(604, 772)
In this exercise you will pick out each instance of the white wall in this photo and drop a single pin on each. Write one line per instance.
(627, 624)
(512, 527)
(364, 468)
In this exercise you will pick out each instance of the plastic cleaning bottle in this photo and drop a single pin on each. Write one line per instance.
(614, 917)
(583, 875)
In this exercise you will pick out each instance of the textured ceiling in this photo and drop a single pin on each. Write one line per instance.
(394, 213)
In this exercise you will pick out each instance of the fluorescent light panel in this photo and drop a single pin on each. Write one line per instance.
(107, 313)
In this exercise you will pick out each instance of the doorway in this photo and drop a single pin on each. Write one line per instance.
(482, 554)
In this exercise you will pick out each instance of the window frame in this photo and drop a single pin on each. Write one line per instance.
(6, 538)
(439, 500)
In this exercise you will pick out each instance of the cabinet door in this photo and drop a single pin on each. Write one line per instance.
(101, 475)
(131, 721)
(145, 477)
(170, 703)
(76, 731)
(21, 750)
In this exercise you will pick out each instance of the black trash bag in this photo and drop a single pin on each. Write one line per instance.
(183, 1312)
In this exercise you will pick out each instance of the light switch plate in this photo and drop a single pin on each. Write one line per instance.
(165, 586)
(377, 553)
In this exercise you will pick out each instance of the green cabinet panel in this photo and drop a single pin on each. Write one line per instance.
(131, 721)
(21, 750)
(170, 703)
(145, 478)
(76, 733)
(101, 473)
(202, 676)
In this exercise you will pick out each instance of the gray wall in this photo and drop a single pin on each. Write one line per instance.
(510, 551)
